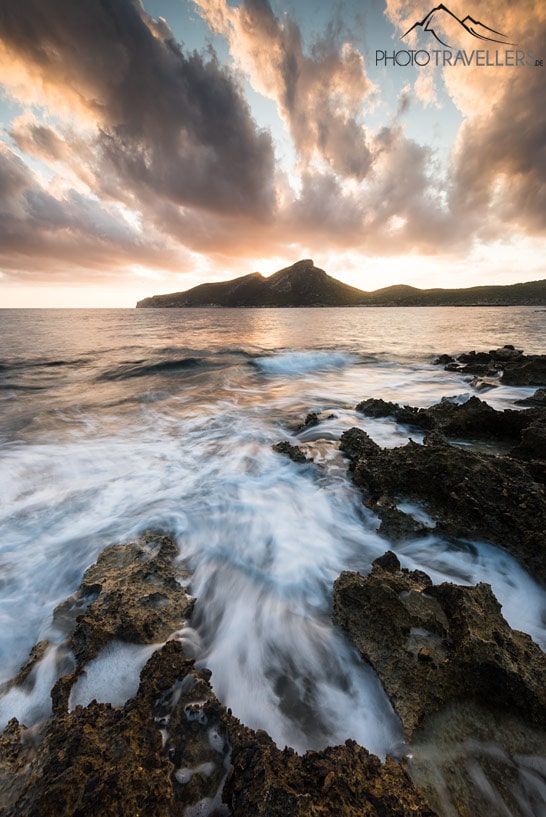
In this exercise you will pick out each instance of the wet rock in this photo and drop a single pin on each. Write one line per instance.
(376, 407)
(517, 368)
(99, 760)
(341, 780)
(443, 360)
(533, 441)
(477, 760)
(407, 415)
(167, 751)
(132, 593)
(475, 357)
(194, 724)
(35, 656)
(356, 443)
(472, 419)
(310, 421)
(507, 352)
(482, 384)
(16, 755)
(527, 371)
(395, 524)
(433, 644)
(435, 438)
(293, 451)
(536, 399)
(469, 494)
(476, 419)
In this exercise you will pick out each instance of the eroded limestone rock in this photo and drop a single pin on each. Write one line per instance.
(434, 644)
(469, 494)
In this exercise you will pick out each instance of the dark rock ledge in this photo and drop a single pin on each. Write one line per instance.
(470, 493)
(511, 365)
(469, 690)
(435, 644)
(173, 746)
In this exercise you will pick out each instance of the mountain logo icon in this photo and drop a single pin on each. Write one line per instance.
(443, 25)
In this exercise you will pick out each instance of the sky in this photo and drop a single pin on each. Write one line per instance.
(147, 147)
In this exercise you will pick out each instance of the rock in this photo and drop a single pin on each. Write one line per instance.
(536, 399)
(481, 384)
(517, 368)
(474, 357)
(443, 360)
(402, 414)
(527, 371)
(469, 494)
(533, 441)
(507, 352)
(356, 443)
(474, 760)
(431, 645)
(341, 780)
(310, 421)
(168, 750)
(293, 451)
(131, 593)
(475, 419)
(395, 524)
(375, 407)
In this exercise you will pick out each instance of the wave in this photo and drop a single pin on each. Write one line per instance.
(7, 366)
(142, 369)
(303, 362)
(19, 387)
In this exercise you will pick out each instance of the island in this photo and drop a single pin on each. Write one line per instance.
(303, 284)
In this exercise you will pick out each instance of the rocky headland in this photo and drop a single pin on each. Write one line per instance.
(303, 284)
(469, 690)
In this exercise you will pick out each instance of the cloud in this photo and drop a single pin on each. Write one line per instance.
(321, 95)
(43, 235)
(498, 171)
(169, 125)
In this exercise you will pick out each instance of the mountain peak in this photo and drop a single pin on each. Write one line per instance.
(301, 284)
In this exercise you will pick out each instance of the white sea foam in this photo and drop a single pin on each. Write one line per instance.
(113, 676)
(31, 702)
(296, 363)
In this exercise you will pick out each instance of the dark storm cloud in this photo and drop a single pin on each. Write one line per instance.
(69, 229)
(171, 125)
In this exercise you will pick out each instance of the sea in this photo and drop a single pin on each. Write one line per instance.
(116, 421)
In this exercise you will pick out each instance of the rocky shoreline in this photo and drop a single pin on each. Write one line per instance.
(452, 667)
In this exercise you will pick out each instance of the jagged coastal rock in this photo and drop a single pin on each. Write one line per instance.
(303, 284)
(494, 497)
(172, 749)
(511, 365)
(431, 645)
